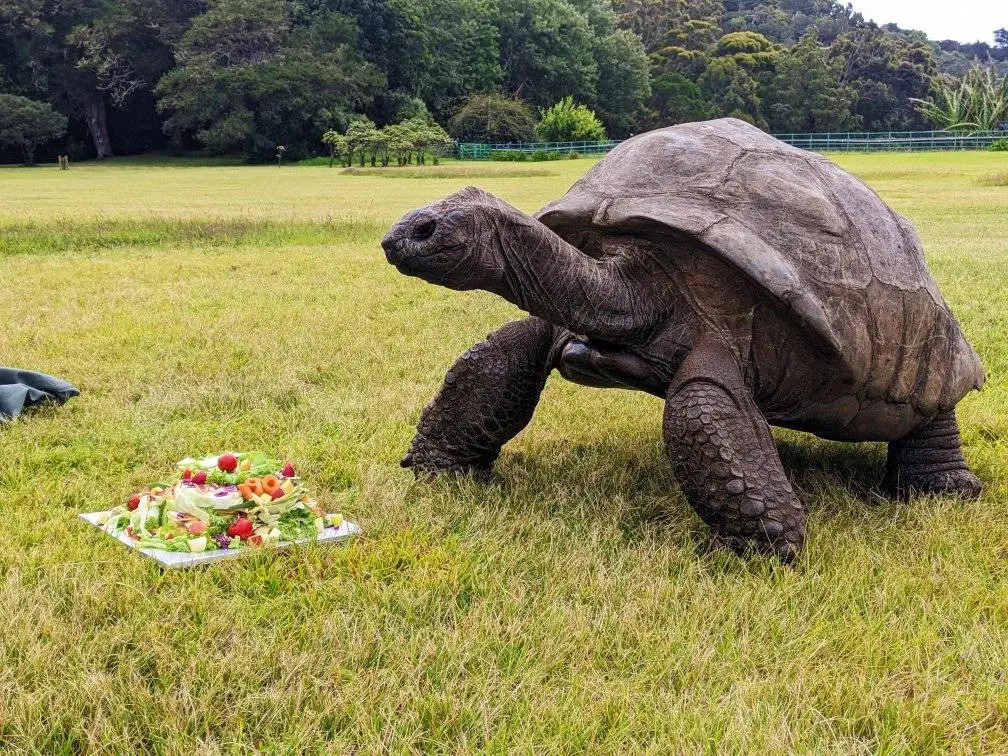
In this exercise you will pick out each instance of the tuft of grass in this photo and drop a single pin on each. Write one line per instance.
(994, 179)
(573, 604)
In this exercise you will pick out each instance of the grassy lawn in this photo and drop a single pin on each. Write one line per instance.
(574, 604)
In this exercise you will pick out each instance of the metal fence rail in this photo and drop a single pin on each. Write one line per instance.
(876, 141)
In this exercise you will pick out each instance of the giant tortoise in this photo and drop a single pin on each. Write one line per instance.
(740, 279)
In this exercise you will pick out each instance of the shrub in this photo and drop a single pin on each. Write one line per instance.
(27, 123)
(543, 155)
(568, 122)
(1000, 145)
(492, 118)
(511, 156)
(572, 155)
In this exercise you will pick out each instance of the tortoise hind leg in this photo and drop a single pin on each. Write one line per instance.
(725, 458)
(930, 461)
(488, 396)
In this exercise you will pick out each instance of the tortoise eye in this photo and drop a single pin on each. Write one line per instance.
(424, 231)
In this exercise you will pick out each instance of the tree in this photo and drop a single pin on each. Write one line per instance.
(492, 117)
(623, 87)
(26, 123)
(886, 70)
(569, 122)
(399, 139)
(254, 75)
(362, 138)
(453, 48)
(337, 145)
(806, 93)
(82, 56)
(676, 99)
(546, 51)
(732, 91)
(650, 20)
(749, 49)
(427, 136)
(978, 102)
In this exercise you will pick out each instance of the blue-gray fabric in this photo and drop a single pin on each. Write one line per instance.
(23, 388)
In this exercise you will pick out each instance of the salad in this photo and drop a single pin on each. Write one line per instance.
(232, 501)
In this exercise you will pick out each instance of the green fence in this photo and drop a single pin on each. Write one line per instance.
(877, 141)
(476, 151)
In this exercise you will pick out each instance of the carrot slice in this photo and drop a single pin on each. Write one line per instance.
(270, 484)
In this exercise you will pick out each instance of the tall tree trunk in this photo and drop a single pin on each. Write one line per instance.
(28, 152)
(94, 114)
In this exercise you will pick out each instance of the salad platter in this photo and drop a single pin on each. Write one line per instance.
(219, 507)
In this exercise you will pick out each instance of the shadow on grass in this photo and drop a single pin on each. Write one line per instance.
(634, 487)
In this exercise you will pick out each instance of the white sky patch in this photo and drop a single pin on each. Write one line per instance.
(963, 21)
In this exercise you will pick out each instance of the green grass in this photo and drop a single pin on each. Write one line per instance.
(574, 604)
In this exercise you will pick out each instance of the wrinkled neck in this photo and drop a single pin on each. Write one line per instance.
(547, 277)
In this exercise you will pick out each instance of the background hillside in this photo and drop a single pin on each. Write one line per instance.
(242, 76)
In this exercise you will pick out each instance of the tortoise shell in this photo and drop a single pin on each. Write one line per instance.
(838, 262)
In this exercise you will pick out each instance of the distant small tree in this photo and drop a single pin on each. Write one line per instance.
(360, 138)
(493, 117)
(337, 144)
(26, 123)
(399, 139)
(428, 136)
(569, 122)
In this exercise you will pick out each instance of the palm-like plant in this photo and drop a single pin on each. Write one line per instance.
(978, 102)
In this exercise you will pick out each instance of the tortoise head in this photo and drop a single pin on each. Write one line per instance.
(451, 242)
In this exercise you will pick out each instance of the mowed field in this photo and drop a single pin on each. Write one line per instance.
(574, 604)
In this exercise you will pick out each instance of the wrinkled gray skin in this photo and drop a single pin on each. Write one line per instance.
(741, 280)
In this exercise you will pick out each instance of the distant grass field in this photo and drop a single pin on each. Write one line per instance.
(572, 605)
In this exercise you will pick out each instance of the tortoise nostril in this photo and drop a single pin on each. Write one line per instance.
(423, 231)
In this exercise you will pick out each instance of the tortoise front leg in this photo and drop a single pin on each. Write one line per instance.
(725, 458)
(487, 397)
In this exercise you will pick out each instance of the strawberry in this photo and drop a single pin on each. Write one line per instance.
(288, 470)
(227, 462)
(133, 502)
(199, 477)
(187, 474)
(197, 527)
(241, 527)
(277, 493)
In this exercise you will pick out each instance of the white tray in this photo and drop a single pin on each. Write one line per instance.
(185, 559)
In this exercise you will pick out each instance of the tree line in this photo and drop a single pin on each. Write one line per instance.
(246, 76)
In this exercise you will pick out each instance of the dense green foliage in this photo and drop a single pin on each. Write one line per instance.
(25, 123)
(406, 142)
(493, 118)
(242, 76)
(978, 102)
(569, 122)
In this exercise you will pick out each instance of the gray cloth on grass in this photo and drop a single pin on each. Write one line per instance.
(23, 388)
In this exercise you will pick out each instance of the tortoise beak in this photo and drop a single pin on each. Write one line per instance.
(393, 244)
(408, 238)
